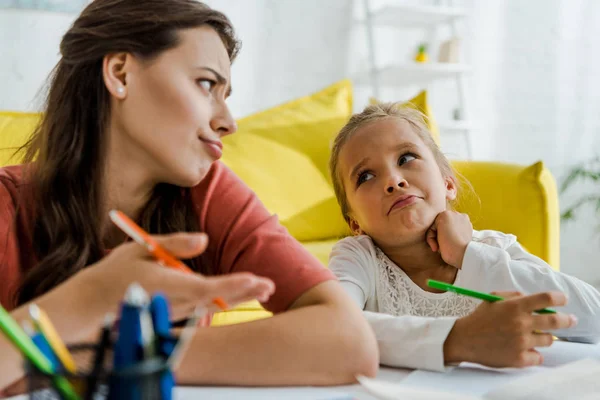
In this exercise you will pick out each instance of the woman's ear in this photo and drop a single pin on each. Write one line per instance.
(114, 72)
(354, 227)
(451, 188)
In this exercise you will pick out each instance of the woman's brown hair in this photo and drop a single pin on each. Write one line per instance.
(66, 153)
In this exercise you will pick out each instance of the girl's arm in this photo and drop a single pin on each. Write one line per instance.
(496, 334)
(403, 341)
(491, 268)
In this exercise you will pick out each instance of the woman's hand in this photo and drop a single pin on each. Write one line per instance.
(505, 333)
(130, 262)
(450, 235)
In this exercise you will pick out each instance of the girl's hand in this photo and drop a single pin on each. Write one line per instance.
(130, 262)
(505, 333)
(450, 235)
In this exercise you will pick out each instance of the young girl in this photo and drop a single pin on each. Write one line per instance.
(396, 190)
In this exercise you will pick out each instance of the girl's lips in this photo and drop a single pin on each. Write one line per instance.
(403, 201)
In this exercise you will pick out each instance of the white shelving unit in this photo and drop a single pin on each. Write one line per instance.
(417, 74)
(416, 16)
(402, 16)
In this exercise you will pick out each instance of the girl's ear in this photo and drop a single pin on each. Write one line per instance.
(451, 189)
(355, 228)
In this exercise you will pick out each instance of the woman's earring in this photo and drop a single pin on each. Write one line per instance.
(120, 90)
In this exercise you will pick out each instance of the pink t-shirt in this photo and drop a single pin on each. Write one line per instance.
(243, 236)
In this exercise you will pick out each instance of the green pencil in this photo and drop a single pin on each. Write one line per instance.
(472, 293)
(19, 338)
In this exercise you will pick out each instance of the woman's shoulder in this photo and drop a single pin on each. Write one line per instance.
(11, 176)
(221, 184)
(11, 179)
(494, 238)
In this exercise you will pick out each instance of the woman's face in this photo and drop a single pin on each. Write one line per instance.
(171, 114)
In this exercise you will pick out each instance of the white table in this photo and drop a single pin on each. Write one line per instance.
(559, 354)
(289, 393)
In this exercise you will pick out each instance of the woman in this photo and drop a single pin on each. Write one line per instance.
(133, 121)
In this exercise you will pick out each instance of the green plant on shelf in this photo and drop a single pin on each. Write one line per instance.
(589, 171)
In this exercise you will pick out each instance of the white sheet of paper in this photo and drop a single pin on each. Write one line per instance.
(475, 379)
(579, 380)
(561, 353)
(394, 391)
(471, 379)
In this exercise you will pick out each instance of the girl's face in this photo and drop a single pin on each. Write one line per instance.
(171, 115)
(393, 184)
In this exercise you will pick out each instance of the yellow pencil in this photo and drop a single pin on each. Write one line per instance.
(44, 325)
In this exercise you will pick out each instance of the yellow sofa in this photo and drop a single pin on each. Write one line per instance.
(516, 199)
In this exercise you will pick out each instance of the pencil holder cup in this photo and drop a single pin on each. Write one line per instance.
(149, 379)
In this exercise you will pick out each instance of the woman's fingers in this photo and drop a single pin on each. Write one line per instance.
(235, 288)
(184, 245)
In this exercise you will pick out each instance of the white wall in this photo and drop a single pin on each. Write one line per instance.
(535, 84)
(29, 43)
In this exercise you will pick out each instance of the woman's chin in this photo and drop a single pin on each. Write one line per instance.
(191, 178)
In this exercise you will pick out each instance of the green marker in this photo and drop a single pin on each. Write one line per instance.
(19, 338)
(472, 293)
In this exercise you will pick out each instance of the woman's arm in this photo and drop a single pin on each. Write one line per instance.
(78, 306)
(322, 340)
(73, 309)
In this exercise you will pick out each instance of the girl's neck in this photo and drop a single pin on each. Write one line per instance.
(420, 263)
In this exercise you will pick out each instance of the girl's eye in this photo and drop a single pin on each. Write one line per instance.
(406, 158)
(363, 177)
(206, 84)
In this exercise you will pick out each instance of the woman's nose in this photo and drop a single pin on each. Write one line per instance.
(223, 122)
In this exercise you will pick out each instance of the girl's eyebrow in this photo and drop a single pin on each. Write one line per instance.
(399, 148)
(358, 166)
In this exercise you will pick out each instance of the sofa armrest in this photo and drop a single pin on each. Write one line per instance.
(521, 200)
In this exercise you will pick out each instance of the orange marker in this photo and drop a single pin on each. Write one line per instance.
(163, 257)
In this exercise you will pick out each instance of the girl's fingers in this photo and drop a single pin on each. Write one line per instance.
(507, 295)
(548, 322)
(431, 239)
(530, 358)
(541, 339)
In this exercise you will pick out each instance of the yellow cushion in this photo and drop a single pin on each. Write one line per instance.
(419, 102)
(307, 124)
(510, 198)
(266, 153)
(15, 130)
(285, 180)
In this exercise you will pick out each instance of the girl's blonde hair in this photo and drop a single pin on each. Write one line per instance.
(377, 112)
